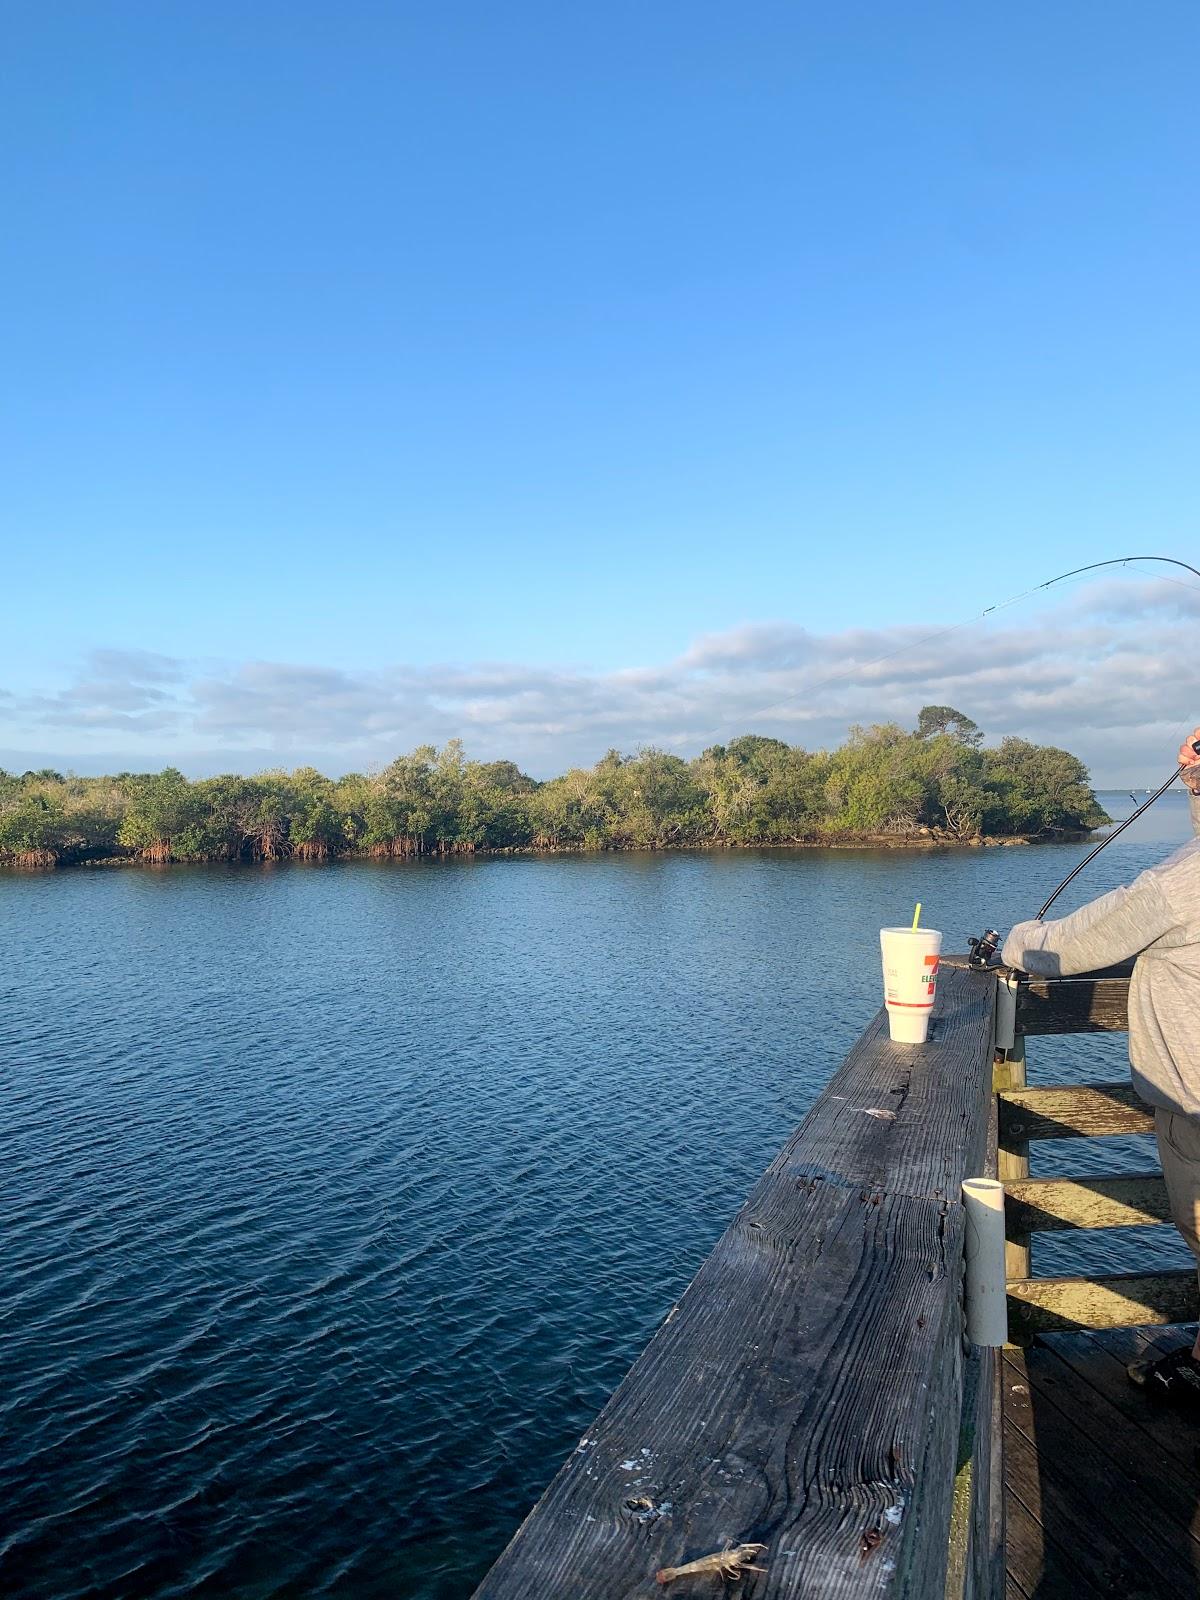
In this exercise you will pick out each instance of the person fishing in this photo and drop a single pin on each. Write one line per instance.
(1156, 919)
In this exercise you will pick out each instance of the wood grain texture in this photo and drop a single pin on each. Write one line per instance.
(805, 1393)
(1123, 1432)
(985, 1574)
(1070, 1563)
(788, 1400)
(1094, 1002)
(1100, 1359)
(1080, 1112)
(910, 1119)
(1047, 1205)
(1025, 1566)
(976, 1564)
(1113, 1300)
(1118, 1531)
(989, 1537)
(1012, 1155)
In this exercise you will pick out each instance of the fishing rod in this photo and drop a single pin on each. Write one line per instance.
(984, 948)
(1114, 561)
(1109, 837)
(848, 674)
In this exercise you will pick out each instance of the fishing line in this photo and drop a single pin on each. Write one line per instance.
(984, 948)
(956, 627)
(1109, 837)
(1179, 770)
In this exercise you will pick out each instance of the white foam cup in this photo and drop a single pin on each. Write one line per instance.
(910, 966)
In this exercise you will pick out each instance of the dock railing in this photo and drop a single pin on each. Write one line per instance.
(1092, 1003)
(813, 1393)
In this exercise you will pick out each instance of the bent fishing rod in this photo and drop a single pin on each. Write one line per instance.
(853, 672)
(984, 948)
(1109, 837)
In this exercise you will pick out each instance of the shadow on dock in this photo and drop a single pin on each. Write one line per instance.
(1102, 1485)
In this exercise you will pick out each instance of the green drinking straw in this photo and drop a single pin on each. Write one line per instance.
(916, 916)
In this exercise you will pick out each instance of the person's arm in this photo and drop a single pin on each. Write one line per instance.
(1111, 929)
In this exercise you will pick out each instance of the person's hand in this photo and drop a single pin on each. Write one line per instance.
(1189, 759)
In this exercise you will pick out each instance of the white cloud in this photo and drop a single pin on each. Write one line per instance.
(1108, 671)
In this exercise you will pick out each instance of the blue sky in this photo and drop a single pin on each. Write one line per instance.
(374, 356)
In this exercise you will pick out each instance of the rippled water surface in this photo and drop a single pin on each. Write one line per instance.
(337, 1200)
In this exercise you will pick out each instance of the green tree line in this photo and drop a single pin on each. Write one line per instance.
(938, 780)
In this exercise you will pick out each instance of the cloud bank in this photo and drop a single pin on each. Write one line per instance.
(1110, 673)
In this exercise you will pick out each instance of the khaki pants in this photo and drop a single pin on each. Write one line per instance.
(1179, 1152)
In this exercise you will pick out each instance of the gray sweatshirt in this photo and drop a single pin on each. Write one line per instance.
(1157, 919)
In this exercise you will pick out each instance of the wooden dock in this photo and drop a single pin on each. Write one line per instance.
(813, 1398)
(1101, 1488)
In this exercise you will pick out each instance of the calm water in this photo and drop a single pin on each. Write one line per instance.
(337, 1200)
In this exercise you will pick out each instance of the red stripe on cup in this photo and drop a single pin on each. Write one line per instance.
(912, 1005)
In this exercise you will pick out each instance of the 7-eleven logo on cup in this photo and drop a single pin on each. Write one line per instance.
(911, 958)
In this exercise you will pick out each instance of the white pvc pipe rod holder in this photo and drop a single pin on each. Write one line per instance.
(1006, 1013)
(986, 1291)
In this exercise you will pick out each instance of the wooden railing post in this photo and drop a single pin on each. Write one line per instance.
(975, 1570)
(1091, 1002)
(1012, 1156)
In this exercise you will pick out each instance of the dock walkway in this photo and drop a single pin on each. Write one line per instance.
(1101, 1486)
(811, 1418)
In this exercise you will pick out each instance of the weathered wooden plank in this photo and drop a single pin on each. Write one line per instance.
(1080, 1112)
(1100, 1358)
(1046, 1205)
(1061, 1005)
(803, 1395)
(1094, 1002)
(1128, 1344)
(1012, 1156)
(985, 1576)
(1116, 1532)
(911, 1119)
(1040, 1565)
(1114, 1300)
(962, 1510)
(1024, 1556)
(976, 1565)
(1119, 1433)
(989, 1536)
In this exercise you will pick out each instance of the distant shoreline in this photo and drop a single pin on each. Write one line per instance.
(874, 842)
(884, 789)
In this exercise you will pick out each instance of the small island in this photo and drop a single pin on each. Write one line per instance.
(937, 784)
